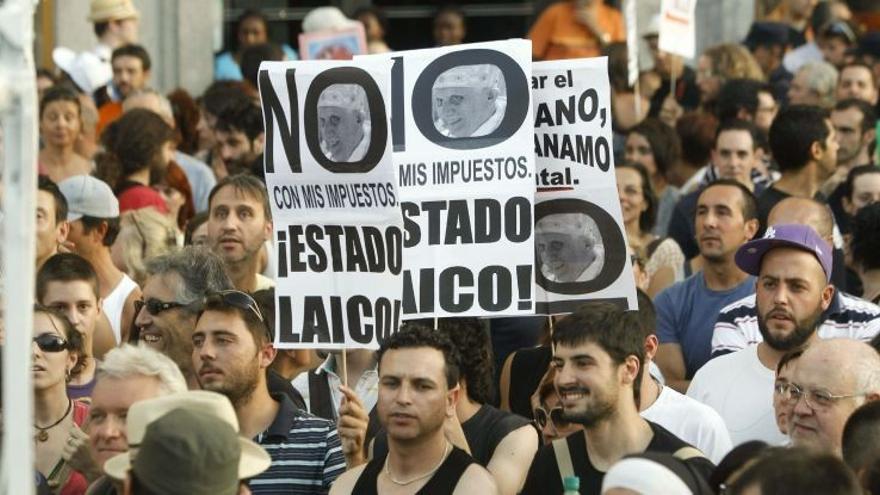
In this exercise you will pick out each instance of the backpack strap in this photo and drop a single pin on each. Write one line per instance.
(688, 452)
(563, 459)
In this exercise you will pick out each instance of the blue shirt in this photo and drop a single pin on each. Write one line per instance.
(686, 314)
(226, 68)
(305, 450)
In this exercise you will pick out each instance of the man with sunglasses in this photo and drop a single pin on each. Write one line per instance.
(176, 283)
(830, 381)
(231, 351)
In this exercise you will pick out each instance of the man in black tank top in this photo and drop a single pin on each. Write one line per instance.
(502, 442)
(418, 392)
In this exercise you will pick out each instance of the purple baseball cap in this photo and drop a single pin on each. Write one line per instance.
(748, 257)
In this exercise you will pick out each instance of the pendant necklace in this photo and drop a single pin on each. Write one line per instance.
(43, 435)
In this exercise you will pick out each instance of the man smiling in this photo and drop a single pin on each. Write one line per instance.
(599, 354)
(167, 313)
(468, 101)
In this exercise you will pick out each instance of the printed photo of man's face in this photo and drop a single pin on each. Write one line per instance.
(469, 101)
(341, 122)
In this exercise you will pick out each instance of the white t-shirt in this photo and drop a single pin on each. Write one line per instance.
(691, 421)
(740, 389)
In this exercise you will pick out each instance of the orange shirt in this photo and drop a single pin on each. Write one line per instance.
(108, 112)
(559, 34)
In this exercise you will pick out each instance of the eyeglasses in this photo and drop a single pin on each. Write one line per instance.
(542, 416)
(815, 399)
(50, 342)
(239, 299)
(155, 306)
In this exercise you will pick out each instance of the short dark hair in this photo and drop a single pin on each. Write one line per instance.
(471, 341)
(740, 456)
(865, 244)
(253, 56)
(413, 335)
(739, 125)
(66, 267)
(793, 132)
(869, 115)
(194, 223)
(663, 141)
(131, 143)
(864, 65)
(91, 223)
(861, 436)
(798, 470)
(374, 11)
(60, 92)
(854, 173)
(749, 203)
(245, 116)
(75, 340)
(132, 50)
(738, 94)
(100, 28)
(222, 94)
(45, 184)
(617, 331)
(696, 130)
(257, 327)
(246, 184)
(647, 314)
(251, 14)
(648, 217)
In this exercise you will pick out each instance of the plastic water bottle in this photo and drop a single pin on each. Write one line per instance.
(571, 485)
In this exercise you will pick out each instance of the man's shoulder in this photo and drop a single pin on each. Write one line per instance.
(475, 479)
(721, 367)
(346, 481)
(678, 290)
(744, 306)
(854, 308)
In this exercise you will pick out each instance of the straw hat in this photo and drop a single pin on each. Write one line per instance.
(111, 10)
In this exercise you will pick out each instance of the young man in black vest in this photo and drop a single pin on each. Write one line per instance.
(418, 393)
(599, 353)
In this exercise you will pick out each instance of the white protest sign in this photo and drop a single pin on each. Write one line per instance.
(465, 164)
(678, 28)
(337, 222)
(579, 234)
(632, 42)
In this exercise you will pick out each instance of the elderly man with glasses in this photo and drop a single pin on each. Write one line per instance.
(830, 380)
(176, 285)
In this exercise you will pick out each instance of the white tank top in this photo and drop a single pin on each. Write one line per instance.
(114, 303)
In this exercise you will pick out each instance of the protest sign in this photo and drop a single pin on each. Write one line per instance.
(630, 14)
(334, 199)
(678, 28)
(580, 239)
(336, 44)
(463, 154)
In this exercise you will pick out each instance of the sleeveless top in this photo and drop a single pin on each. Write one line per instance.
(115, 302)
(441, 483)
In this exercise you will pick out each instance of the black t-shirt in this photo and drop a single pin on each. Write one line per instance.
(526, 370)
(483, 431)
(544, 474)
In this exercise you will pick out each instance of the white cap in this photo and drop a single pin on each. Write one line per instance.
(88, 196)
(86, 70)
(469, 76)
(349, 96)
(326, 19)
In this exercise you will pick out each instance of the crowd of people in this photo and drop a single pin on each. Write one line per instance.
(749, 190)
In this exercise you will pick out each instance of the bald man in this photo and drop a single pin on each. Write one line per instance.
(847, 317)
(830, 381)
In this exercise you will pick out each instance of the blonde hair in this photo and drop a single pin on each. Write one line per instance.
(731, 61)
(144, 234)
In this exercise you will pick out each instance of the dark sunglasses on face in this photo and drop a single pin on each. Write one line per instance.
(554, 415)
(50, 342)
(155, 306)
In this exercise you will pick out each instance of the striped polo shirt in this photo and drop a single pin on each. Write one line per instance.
(305, 450)
(847, 317)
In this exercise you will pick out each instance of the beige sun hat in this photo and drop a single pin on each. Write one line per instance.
(109, 10)
(210, 406)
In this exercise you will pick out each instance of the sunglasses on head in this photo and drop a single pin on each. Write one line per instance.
(239, 299)
(50, 342)
(155, 306)
(554, 416)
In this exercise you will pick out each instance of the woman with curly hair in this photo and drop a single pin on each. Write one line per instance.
(865, 249)
(721, 63)
(58, 351)
(143, 235)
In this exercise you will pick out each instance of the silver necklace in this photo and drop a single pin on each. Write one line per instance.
(420, 477)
